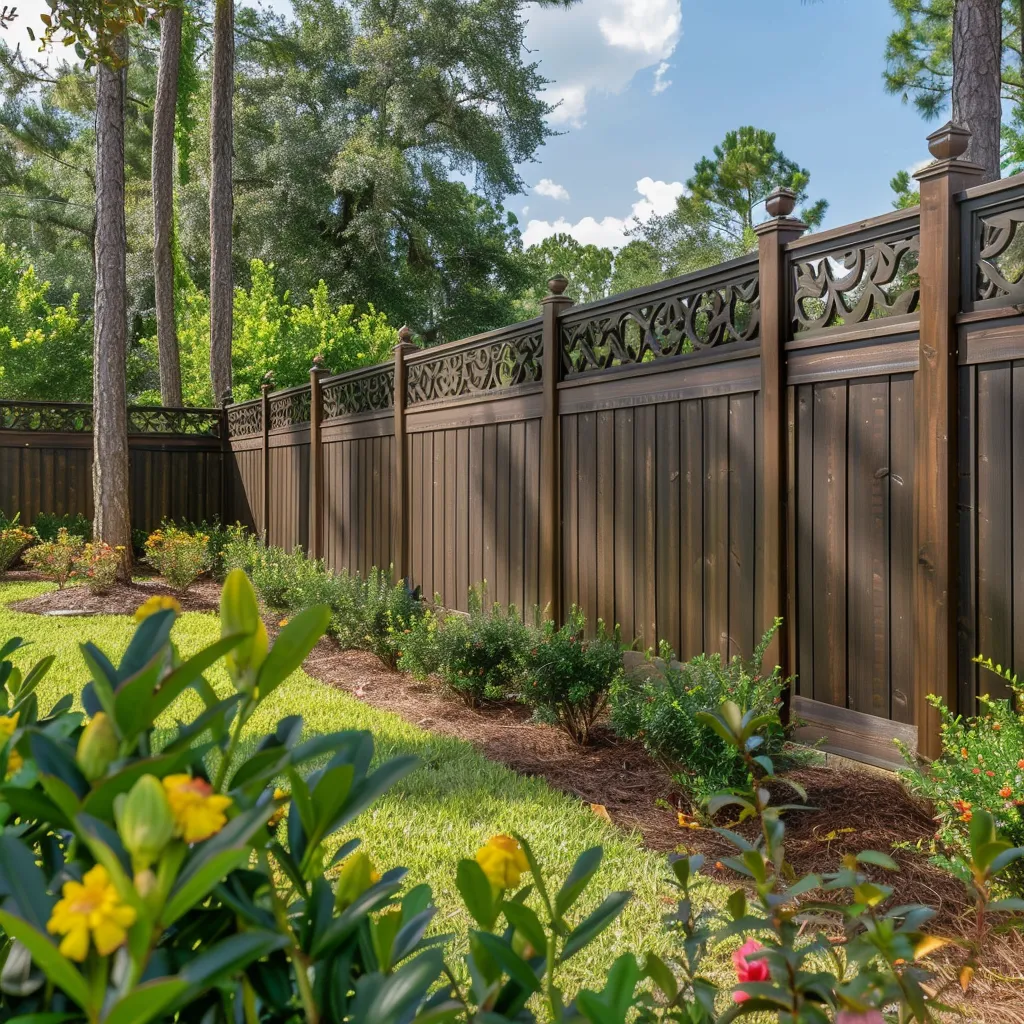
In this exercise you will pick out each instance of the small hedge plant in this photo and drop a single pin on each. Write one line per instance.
(98, 565)
(180, 556)
(981, 769)
(48, 524)
(57, 559)
(480, 656)
(568, 675)
(661, 708)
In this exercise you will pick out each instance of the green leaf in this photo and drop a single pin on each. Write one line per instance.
(290, 648)
(476, 893)
(146, 1001)
(100, 802)
(47, 958)
(509, 961)
(661, 974)
(230, 956)
(592, 926)
(53, 759)
(23, 882)
(149, 639)
(579, 878)
(201, 882)
(392, 999)
(104, 679)
(525, 921)
(880, 860)
(186, 674)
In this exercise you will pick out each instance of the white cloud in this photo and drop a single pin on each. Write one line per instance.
(656, 198)
(551, 189)
(661, 83)
(598, 46)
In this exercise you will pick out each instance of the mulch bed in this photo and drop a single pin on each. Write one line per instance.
(122, 599)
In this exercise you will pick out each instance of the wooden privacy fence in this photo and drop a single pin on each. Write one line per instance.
(830, 429)
(177, 461)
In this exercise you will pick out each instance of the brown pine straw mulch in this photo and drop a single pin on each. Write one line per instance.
(854, 807)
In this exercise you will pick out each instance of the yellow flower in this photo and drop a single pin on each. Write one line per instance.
(90, 908)
(198, 811)
(157, 604)
(503, 861)
(275, 818)
(7, 727)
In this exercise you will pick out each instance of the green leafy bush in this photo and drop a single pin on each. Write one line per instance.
(660, 707)
(14, 539)
(47, 525)
(568, 675)
(479, 656)
(56, 559)
(981, 769)
(179, 555)
(98, 566)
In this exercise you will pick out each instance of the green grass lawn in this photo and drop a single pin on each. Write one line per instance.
(439, 814)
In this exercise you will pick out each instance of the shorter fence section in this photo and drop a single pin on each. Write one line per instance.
(177, 462)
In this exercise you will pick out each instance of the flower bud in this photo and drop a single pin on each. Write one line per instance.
(357, 875)
(240, 614)
(97, 746)
(145, 821)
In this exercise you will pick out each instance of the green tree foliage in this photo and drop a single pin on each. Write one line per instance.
(588, 269)
(714, 219)
(273, 334)
(45, 349)
(906, 195)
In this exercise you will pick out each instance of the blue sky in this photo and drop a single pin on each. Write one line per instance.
(649, 86)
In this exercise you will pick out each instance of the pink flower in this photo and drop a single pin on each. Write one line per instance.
(747, 970)
(869, 1017)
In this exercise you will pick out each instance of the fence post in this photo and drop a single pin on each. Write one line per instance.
(550, 510)
(265, 387)
(316, 456)
(935, 431)
(773, 289)
(400, 497)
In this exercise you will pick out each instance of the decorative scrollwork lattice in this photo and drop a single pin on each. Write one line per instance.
(369, 392)
(853, 285)
(59, 417)
(289, 409)
(482, 366)
(192, 422)
(1000, 266)
(245, 419)
(662, 324)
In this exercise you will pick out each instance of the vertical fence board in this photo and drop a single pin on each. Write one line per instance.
(742, 498)
(691, 528)
(901, 547)
(716, 525)
(667, 525)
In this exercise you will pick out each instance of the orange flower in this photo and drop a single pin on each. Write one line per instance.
(976, 771)
(1006, 792)
(991, 774)
(996, 726)
(963, 753)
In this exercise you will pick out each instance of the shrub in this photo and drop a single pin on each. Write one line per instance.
(661, 708)
(479, 656)
(13, 541)
(56, 559)
(802, 968)
(240, 552)
(47, 525)
(99, 565)
(372, 612)
(981, 769)
(568, 676)
(179, 556)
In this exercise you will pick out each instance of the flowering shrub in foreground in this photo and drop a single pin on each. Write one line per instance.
(981, 769)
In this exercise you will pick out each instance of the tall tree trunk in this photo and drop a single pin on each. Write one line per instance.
(163, 205)
(110, 317)
(221, 199)
(977, 71)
